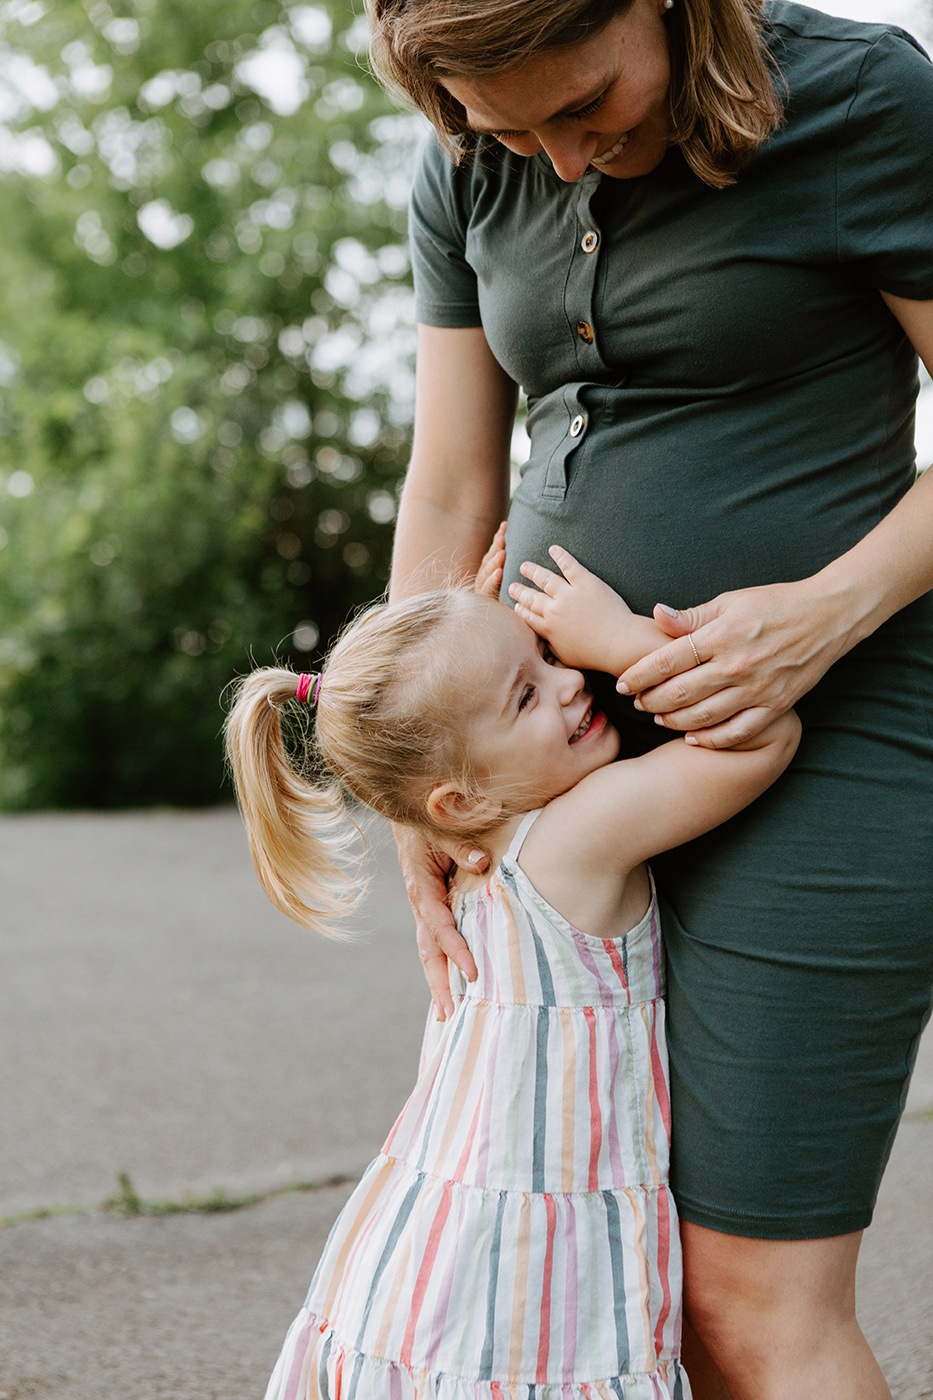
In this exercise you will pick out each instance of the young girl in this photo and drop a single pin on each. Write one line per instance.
(516, 1232)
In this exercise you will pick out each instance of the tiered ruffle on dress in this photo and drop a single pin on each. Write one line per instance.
(515, 1239)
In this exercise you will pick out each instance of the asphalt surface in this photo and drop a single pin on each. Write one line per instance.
(158, 1019)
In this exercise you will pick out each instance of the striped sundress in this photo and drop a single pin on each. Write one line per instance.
(515, 1239)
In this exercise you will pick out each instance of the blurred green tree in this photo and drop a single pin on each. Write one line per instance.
(205, 373)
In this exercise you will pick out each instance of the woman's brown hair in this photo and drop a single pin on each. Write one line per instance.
(724, 97)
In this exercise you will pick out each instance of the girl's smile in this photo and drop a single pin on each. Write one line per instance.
(535, 731)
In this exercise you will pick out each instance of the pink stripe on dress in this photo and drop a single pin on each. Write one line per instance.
(298, 1358)
(596, 1127)
(664, 1259)
(615, 958)
(570, 1291)
(424, 1274)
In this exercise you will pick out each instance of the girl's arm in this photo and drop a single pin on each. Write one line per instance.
(582, 853)
(621, 815)
(762, 648)
(455, 494)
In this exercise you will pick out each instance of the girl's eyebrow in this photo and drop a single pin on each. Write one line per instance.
(517, 682)
(566, 111)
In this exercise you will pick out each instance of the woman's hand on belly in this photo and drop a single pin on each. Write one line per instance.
(738, 661)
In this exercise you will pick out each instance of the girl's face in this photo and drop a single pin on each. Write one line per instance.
(602, 103)
(533, 731)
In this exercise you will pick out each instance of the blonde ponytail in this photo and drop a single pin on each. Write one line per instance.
(300, 834)
(388, 726)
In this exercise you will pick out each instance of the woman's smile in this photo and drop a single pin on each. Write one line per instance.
(602, 104)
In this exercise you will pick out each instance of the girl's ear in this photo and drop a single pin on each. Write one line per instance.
(450, 808)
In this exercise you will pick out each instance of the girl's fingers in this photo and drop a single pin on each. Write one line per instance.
(545, 579)
(565, 561)
(535, 622)
(527, 598)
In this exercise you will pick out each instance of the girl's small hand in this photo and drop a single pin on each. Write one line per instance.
(489, 574)
(425, 869)
(577, 614)
(760, 649)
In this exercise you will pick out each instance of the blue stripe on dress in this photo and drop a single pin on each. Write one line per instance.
(487, 1358)
(538, 1137)
(322, 1384)
(404, 1211)
(544, 969)
(618, 1277)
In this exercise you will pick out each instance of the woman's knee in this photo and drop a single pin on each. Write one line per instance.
(757, 1303)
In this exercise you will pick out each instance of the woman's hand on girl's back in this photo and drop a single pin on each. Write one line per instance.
(760, 649)
(492, 566)
(425, 868)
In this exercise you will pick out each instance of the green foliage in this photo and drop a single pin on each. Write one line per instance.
(205, 374)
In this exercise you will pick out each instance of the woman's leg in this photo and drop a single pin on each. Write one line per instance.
(706, 1382)
(778, 1317)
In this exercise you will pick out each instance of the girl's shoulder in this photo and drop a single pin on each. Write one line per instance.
(567, 866)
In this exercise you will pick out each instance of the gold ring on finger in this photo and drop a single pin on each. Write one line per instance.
(693, 648)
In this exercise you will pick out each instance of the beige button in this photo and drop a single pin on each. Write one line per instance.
(590, 241)
(585, 331)
(577, 426)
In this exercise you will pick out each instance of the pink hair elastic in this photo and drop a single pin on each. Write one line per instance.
(309, 687)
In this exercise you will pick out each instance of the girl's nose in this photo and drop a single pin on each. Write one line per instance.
(571, 683)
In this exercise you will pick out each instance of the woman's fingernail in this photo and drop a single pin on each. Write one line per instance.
(692, 740)
(671, 612)
(659, 719)
(475, 857)
(622, 688)
(513, 590)
(636, 704)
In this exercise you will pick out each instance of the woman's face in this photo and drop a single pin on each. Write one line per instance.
(601, 104)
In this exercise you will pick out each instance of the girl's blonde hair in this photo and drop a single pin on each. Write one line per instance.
(387, 729)
(723, 98)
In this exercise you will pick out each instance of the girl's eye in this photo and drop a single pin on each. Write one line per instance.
(527, 694)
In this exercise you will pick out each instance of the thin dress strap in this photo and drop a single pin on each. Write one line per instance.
(518, 840)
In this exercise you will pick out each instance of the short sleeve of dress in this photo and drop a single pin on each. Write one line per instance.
(885, 169)
(445, 284)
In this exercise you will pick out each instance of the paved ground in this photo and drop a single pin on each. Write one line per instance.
(158, 1019)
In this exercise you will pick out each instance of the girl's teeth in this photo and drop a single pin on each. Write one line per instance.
(582, 727)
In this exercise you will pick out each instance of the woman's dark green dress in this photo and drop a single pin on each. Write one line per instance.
(718, 397)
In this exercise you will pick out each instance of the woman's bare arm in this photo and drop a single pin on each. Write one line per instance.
(455, 496)
(457, 488)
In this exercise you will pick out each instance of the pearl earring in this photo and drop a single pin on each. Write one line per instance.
(668, 4)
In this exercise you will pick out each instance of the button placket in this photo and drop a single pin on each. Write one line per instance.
(566, 442)
(580, 288)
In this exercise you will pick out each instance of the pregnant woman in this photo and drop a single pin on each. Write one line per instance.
(700, 237)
